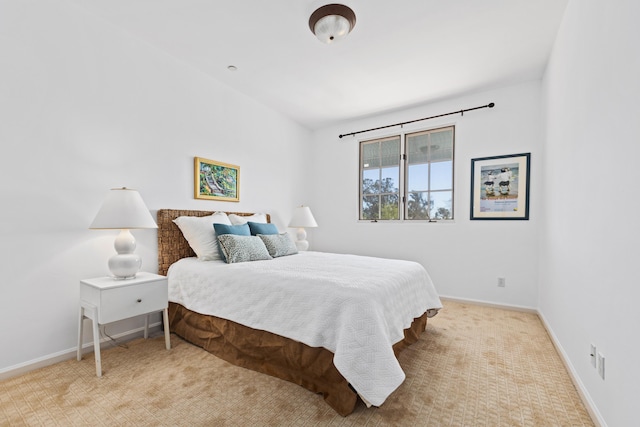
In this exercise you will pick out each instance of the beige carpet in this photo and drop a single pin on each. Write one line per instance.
(474, 366)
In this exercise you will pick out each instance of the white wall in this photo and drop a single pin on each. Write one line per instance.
(85, 107)
(465, 257)
(589, 287)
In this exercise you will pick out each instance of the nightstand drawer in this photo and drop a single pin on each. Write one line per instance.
(128, 301)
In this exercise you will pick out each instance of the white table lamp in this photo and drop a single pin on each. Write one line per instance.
(124, 209)
(302, 218)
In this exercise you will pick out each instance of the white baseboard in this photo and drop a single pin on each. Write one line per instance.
(582, 391)
(61, 356)
(490, 304)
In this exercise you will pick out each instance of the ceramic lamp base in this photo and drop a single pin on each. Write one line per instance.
(302, 245)
(301, 239)
(125, 264)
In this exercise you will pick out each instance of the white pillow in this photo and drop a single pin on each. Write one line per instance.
(238, 220)
(200, 234)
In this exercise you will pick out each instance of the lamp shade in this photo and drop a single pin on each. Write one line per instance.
(302, 217)
(123, 208)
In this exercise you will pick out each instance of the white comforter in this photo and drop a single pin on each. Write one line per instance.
(357, 307)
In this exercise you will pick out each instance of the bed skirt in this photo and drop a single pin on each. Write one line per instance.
(261, 351)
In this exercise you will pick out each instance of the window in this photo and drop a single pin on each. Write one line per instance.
(407, 176)
(380, 172)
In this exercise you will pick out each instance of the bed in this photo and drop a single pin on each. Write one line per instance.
(341, 344)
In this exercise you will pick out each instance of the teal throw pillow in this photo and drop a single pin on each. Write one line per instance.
(238, 230)
(262, 228)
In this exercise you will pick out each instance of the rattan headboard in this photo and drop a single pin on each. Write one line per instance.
(172, 245)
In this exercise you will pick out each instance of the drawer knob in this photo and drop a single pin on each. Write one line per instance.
(139, 300)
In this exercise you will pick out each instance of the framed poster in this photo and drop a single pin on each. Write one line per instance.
(500, 187)
(216, 180)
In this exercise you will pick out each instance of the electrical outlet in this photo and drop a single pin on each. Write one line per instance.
(592, 355)
(502, 282)
(601, 365)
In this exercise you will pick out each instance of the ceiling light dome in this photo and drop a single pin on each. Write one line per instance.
(332, 22)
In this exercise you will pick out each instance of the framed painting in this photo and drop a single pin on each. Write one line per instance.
(500, 187)
(216, 180)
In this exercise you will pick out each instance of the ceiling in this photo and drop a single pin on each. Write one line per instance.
(400, 53)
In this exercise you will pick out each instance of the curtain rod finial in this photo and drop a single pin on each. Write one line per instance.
(491, 105)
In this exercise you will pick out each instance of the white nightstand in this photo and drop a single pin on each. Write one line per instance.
(105, 300)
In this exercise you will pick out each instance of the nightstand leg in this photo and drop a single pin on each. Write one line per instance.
(96, 342)
(80, 332)
(146, 326)
(167, 333)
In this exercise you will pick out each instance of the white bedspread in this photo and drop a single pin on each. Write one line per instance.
(357, 307)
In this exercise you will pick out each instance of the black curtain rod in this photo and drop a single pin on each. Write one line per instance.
(461, 112)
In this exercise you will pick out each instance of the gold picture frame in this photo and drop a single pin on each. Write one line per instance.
(216, 180)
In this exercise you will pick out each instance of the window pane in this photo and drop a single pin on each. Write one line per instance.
(380, 174)
(371, 155)
(371, 181)
(441, 205)
(418, 177)
(390, 208)
(418, 205)
(441, 175)
(370, 207)
(441, 145)
(430, 168)
(417, 148)
(390, 178)
(390, 152)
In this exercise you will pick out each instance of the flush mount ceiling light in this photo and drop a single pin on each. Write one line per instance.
(332, 22)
